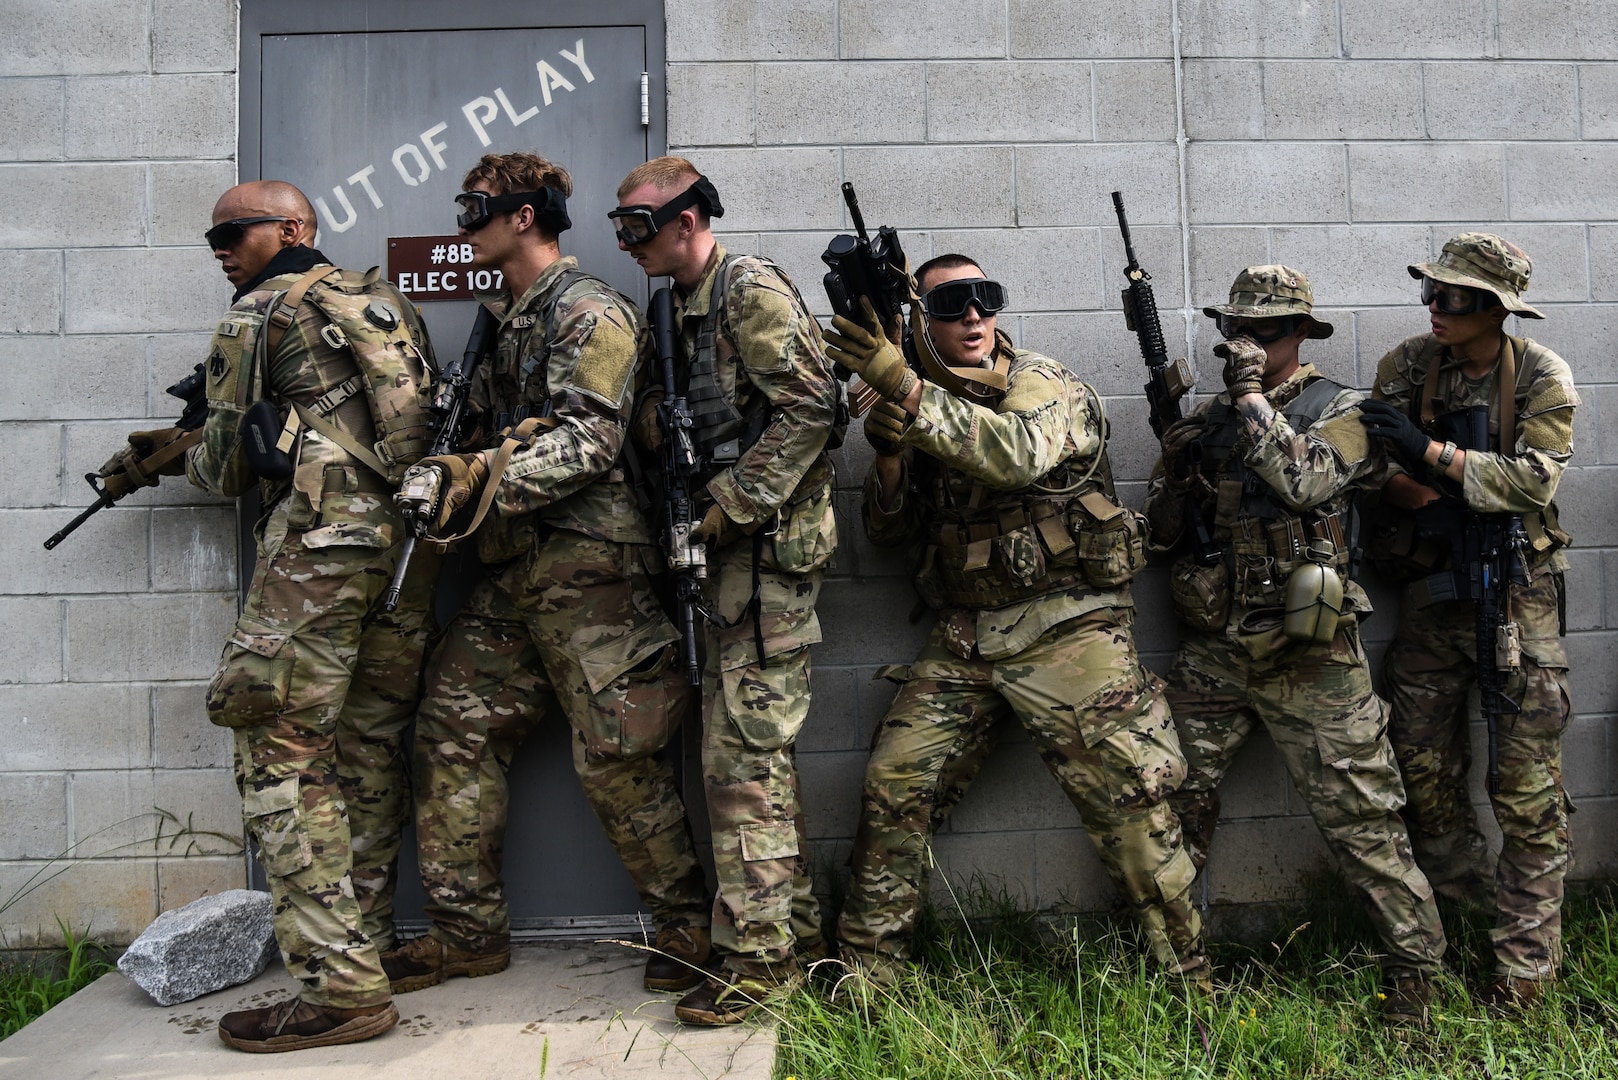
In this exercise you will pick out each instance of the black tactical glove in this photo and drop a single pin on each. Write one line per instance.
(1405, 440)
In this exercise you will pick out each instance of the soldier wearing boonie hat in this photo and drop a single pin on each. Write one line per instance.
(1259, 514)
(1431, 393)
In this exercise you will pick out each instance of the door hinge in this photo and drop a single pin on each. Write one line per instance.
(645, 99)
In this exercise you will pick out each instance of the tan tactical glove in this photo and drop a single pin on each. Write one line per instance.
(716, 530)
(864, 350)
(127, 469)
(434, 488)
(1177, 443)
(885, 426)
(645, 428)
(1244, 365)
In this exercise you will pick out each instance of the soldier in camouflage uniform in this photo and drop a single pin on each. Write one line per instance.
(318, 683)
(1469, 362)
(566, 622)
(1027, 556)
(765, 403)
(1265, 494)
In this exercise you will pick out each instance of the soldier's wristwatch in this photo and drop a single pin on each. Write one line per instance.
(1446, 455)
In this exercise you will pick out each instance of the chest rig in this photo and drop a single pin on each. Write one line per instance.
(988, 548)
(510, 394)
(1264, 539)
(721, 430)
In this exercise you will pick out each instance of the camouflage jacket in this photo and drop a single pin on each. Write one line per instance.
(768, 345)
(332, 487)
(579, 367)
(1545, 397)
(1046, 419)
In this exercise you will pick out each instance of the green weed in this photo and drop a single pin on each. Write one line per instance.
(27, 990)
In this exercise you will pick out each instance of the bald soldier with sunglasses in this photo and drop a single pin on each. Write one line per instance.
(1270, 616)
(992, 465)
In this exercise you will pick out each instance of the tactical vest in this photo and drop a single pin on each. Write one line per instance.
(539, 359)
(721, 432)
(989, 548)
(1263, 538)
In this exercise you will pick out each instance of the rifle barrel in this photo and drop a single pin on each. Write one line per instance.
(86, 514)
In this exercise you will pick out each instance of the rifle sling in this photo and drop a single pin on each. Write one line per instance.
(517, 438)
(1507, 380)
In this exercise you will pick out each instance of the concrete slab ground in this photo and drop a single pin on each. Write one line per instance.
(561, 1010)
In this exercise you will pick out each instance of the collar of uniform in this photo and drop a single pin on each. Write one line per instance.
(500, 302)
(697, 300)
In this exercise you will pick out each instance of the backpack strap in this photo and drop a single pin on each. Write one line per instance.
(286, 309)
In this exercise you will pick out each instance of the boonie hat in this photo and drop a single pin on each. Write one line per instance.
(1270, 292)
(1484, 261)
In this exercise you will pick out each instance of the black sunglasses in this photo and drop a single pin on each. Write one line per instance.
(479, 207)
(1456, 299)
(1263, 331)
(227, 234)
(949, 301)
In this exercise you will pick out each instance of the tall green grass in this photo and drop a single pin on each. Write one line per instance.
(1007, 997)
(27, 990)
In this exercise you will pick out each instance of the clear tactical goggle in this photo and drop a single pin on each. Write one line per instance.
(949, 301)
(478, 208)
(227, 234)
(637, 224)
(1456, 299)
(1263, 331)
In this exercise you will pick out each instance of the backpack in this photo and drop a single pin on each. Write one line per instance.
(366, 326)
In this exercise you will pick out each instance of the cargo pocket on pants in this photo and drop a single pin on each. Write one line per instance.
(767, 706)
(1174, 877)
(1358, 764)
(275, 816)
(631, 709)
(769, 851)
(254, 678)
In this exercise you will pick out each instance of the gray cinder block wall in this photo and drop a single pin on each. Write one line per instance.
(1348, 138)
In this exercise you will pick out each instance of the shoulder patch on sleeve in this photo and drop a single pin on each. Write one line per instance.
(1346, 435)
(606, 360)
(766, 327)
(1032, 388)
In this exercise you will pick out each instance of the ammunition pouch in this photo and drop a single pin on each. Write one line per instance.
(1200, 593)
(1110, 538)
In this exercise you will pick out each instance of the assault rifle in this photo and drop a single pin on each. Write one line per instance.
(134, 468)
(875, 269)
(450, 411)
(687, 561)
(1487, 556)
(1166, 383)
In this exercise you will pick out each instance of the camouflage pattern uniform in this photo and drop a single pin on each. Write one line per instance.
(1431, 666)
(1035, 621)
(566, 620)
(1262, 502)
(317, 681)
(769, 369)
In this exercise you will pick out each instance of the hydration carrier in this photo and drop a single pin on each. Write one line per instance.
(365, 327)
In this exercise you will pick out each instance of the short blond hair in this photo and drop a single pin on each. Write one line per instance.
(666, 173)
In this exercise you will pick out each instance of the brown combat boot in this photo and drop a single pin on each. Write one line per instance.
(426, 961)
(678, 962)
(729, 997)
(1508, 995)
(1405, 1000)
(295, 1024)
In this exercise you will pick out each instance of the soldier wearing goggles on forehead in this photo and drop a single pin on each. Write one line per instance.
(1479, 424)
(993, 466)
(566, 623)
(1270, 616)
(764, 405)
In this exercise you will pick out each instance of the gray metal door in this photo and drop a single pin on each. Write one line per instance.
(376, 112)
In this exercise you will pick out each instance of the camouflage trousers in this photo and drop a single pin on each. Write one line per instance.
(321, 685)
(572, 630)
(765, 909)
(1100, 723)
(1430, 670)
(1329, 727)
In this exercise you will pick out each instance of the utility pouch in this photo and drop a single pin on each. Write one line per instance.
(1111, 539)
(1201, 594)
(262, 427)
